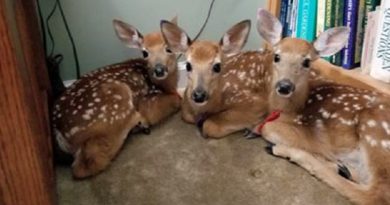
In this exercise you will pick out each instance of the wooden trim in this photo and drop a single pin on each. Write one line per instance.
(26, 168)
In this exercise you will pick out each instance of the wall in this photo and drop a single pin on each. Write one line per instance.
(91, 24)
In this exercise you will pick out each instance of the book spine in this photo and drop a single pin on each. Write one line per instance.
(306, 22)
(321, 9)
(338, 21)
(293, 19)
(368, 42)
(329, 20)
(350, 20)
(381, 56)
(283, 15)
(359, 33)
(286, 27)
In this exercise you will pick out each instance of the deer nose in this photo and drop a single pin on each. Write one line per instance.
(285, 87)
(199, 95)
(160, 70)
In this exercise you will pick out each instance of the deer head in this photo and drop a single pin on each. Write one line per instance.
(292, 56)
(161, 60)
(204, 58)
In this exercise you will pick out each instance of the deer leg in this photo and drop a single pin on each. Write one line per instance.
(158, 107)
(229, 121)
(284, 133)
(95, 154)
(320, 168)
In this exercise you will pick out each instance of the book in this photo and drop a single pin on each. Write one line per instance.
(359, 33)
(369, 40)
(306, 19)
(283, 16)
(329, 20)
(370, 5)
(293, 18)
(286, 26)
(338, 21)
(380, 68)
(321, 7)
(350, 20)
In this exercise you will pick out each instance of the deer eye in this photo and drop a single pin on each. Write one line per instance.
(168, 50)
(189, 67)
(306, 63)
(145, 53)
(217, 67)
(276, 58)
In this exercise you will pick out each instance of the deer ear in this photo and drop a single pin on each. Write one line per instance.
(175, 37)
(269, 27)
(235, 38)
(331, 41)
(174, 20)
(128, 34)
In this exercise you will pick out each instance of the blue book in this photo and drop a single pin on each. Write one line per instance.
(287, 31)
(350, 20)
(283, 15)
(306, 19)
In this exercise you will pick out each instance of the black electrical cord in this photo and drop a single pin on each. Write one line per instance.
(206, 21)
(76, 59)
(42, 25)
(49, 33)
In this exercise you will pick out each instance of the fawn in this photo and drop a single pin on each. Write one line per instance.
(93, 117)
(223, 93)
(339, 133)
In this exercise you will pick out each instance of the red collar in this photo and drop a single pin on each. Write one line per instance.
(271, 117)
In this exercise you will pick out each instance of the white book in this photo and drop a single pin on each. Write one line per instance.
(369, 40)
(321, 4)
(380, 68)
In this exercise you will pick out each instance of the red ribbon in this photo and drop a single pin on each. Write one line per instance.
(271, 117)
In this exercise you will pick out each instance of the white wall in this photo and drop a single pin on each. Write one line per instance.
(97, 45)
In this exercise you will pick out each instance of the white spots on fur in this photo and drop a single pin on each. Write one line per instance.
(319, 97)
(90, 104)
(371, 123)
(94, 94)
(103, 108)
(63, 98)
(381, 107)
(241, 75)
(371, 140)
(325, 114)
(346, 121)
(385, 144)
(386, 127)
(226, 86)
(116, 106)
(97, 100)
(74, 130)
(79, 107)
(74, 112)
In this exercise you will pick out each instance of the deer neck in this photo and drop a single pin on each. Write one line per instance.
(168, 85)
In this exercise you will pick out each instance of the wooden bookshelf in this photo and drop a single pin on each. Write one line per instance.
(352, 77)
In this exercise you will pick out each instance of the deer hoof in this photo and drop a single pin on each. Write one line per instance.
(146, 131)
(248, 134)
(269, 149)
(344, 172)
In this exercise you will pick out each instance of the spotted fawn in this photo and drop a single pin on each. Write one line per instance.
(93, 117)
(339, 133)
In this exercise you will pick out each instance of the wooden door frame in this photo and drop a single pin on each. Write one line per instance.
(26, 165)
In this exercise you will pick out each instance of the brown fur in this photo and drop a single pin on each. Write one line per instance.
(94, 116)
(331, 123)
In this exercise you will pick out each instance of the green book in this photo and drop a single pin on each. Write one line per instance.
(360, 32)
(329, 20)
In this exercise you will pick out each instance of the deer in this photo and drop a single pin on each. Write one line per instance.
(93, 117)
(338, 133)
(223, 91)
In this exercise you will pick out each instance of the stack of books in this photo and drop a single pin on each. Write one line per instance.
(368, 20)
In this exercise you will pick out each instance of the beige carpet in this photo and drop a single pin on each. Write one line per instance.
(175, 166)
